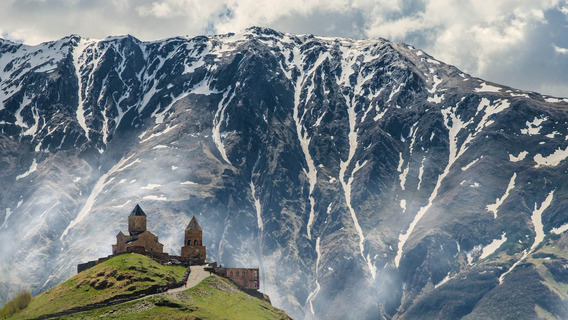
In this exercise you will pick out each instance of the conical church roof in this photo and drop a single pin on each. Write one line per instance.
(193, 225)
(137, 211)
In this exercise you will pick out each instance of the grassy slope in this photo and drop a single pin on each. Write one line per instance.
(213, 298)
(119, 275)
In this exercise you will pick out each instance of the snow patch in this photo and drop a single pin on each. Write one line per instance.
(257, 207)
(536, 218)
(555, 100)
(220, 118)
(420, 173)
(495, 207)
(447, 278)
(492, 247)
(487, 88)
(519, 157)
(560, 229)
(157, 134)
(32, 168)
(534, 126)
(314, 293)
(469, 165)
(551, 160)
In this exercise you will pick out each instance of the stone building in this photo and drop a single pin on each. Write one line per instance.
(244, 277)
(193, 248)
(138, 239)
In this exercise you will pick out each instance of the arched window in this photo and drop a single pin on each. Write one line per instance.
(189, 242)
(195, 243)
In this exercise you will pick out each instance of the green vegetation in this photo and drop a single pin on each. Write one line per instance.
(213, 298)
(20, 302)
(119, 275)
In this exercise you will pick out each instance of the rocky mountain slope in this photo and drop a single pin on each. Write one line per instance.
(365, 178)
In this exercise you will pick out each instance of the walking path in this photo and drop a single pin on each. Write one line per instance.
(197, 274)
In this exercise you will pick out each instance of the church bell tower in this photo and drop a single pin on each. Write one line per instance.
(193, 247)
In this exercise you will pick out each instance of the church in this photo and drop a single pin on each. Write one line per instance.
(193, 252)
(142, 241)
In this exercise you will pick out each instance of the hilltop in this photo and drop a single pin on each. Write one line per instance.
(133, 276)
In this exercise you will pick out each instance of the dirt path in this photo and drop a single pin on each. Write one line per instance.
(197, 274)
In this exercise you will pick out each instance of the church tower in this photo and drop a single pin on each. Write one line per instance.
(136, 221)
(193, 247)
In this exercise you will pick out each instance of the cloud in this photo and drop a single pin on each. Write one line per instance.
(482, 37)
(560, 50)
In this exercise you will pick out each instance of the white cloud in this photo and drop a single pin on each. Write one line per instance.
(488, 38)
(560, 50)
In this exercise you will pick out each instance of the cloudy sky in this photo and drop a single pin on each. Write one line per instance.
(521, 43)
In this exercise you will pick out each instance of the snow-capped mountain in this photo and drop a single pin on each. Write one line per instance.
(364, 177)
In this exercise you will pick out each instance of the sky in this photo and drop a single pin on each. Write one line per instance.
(519, 43)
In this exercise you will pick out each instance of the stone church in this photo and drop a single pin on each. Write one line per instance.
(138, 237)
(140, 240)
(193, 252)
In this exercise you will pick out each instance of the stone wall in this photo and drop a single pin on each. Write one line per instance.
(247, 278)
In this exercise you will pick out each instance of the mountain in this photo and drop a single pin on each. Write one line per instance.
(365, 178)
(113, 289)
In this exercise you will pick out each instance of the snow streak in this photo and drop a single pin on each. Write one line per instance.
(454, 125)
(77, 51)
(536, 218)
(314, 293)
(257, 207)
(343, 165)
(494, 207)
(219, 118)
(303, 136)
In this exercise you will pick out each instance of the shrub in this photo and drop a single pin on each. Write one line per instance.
(20, 302)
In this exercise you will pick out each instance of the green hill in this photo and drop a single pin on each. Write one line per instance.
(213, 298)
(119, 275)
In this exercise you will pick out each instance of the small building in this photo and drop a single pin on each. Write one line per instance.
(138, 239)
(193, 248)
(244, 277)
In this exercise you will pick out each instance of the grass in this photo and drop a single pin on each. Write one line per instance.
(122, 274)
(213, 298)
(20, 302)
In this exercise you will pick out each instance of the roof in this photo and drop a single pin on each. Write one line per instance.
(137, 211)
(193, 225)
